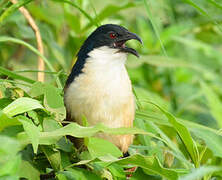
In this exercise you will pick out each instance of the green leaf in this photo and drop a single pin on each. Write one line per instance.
(32, 131)
(151, 165)
(65, 145)
(154, 25)
(170, 62)
(4, 101)
(52, 104)
(199, 45)
(24, 139)
(80, 9)
(6, 121)
(140, 174)
(203, 132)
(184, 135)
(9, 158)
(18, 41)
(196, 6)
(26, 170)
(213, 140)
(3, 5)
(117, 170)
(100, 147)
(10, 166)
(213, 102)
(53, 157)
(74, 129)
(61, 177)
(21, 105)
(80, 174)
(7, 144)
(12, 9)
(14, 75)
(165, 139)
(201, 172)
(9, 178)
(203, 11)
(112, 9)
(37, 89)
(215, 4)
(50, 93)
(109, 11)
(50, 125)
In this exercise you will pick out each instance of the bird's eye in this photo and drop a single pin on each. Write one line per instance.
(112, 35)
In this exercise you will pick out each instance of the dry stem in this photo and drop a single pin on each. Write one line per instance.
(41, 64)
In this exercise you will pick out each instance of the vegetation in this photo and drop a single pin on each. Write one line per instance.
(177, 84)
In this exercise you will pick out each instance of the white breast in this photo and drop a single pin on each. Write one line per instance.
(103, 92)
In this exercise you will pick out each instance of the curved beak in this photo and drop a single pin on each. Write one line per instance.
(126, 37)
(131, 35)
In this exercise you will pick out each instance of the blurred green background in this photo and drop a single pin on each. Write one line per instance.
(180, 64)
(182, 46)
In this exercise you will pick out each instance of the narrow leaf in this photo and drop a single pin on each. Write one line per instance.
(184, 135)
(12, 9)
(214, 103)
(201, 172)
(18, 41)
(14, 75)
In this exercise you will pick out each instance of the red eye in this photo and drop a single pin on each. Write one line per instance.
(112, 35)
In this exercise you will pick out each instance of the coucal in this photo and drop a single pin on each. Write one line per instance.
(99, 87)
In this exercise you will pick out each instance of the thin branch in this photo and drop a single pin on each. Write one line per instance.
(41, 64)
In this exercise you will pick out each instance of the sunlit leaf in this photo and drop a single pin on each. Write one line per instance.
(21, 105)
(100, 147)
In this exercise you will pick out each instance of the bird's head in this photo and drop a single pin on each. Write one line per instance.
(105, 39)
(112, 36)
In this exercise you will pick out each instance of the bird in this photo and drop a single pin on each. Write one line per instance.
(99, 88)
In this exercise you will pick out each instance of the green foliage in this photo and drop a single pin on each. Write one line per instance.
(177, 84)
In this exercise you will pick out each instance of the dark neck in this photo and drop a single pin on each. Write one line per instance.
(81, 59)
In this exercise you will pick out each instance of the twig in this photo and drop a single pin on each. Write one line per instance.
(41, 64)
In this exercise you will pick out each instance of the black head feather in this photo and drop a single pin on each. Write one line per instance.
(111, 35)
